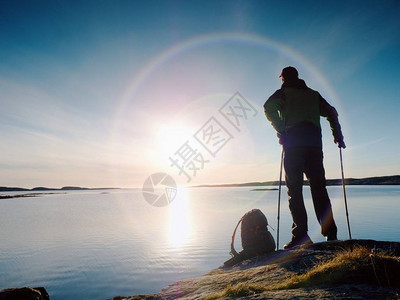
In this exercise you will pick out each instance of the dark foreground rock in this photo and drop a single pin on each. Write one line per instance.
(369, 277)
(25, 293)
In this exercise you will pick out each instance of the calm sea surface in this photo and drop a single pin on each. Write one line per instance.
(101, 244)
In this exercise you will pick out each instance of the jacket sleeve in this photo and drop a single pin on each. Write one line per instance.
(273, 110)
(330, 113)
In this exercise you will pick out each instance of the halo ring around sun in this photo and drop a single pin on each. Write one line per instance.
(208, 39)
(202, 41)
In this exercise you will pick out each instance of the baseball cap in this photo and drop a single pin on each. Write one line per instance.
(289, 72)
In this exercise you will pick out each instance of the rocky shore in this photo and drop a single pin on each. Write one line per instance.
(352, 269)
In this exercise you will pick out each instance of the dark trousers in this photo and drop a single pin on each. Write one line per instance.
(307, 160)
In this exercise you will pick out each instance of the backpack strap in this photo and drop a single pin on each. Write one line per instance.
(233, 251)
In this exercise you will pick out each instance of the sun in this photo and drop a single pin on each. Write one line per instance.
(169, 138)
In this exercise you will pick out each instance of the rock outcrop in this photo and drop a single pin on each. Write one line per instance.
(25, 293)
(353, 269)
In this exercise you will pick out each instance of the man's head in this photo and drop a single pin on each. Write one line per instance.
(289, 73)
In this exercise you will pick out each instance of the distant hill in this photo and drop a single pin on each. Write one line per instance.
(381, 180)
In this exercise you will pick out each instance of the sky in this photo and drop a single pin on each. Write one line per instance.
(107, 93)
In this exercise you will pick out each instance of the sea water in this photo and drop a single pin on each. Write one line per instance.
(101, 244)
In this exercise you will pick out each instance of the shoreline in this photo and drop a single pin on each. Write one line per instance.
(38, 189)
(379, 180)
(26, 195)
(283, 274)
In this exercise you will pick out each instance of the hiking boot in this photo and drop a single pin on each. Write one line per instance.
(298, 241)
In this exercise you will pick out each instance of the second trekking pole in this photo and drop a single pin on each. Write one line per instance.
(344, 193)
(279, 201)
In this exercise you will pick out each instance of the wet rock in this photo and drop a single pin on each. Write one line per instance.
(25, 293)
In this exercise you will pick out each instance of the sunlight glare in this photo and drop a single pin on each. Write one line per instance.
(180, 225)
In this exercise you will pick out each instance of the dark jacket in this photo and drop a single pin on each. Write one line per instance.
(294, 111)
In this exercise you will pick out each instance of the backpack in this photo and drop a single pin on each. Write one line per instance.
(256, 239)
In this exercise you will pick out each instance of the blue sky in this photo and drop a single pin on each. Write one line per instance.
(105, 93)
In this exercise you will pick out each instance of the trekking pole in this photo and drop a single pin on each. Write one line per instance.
(279, 202)
(344, 193)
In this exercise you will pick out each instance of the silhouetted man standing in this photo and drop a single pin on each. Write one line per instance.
(294, 111)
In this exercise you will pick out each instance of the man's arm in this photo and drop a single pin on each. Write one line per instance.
(272, 109)
(332, 115)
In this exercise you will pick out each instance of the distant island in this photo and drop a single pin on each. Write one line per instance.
(25, 196)
(264, 189)
(40, 188)
(381, 180)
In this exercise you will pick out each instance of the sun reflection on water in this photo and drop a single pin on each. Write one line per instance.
(180, 223)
